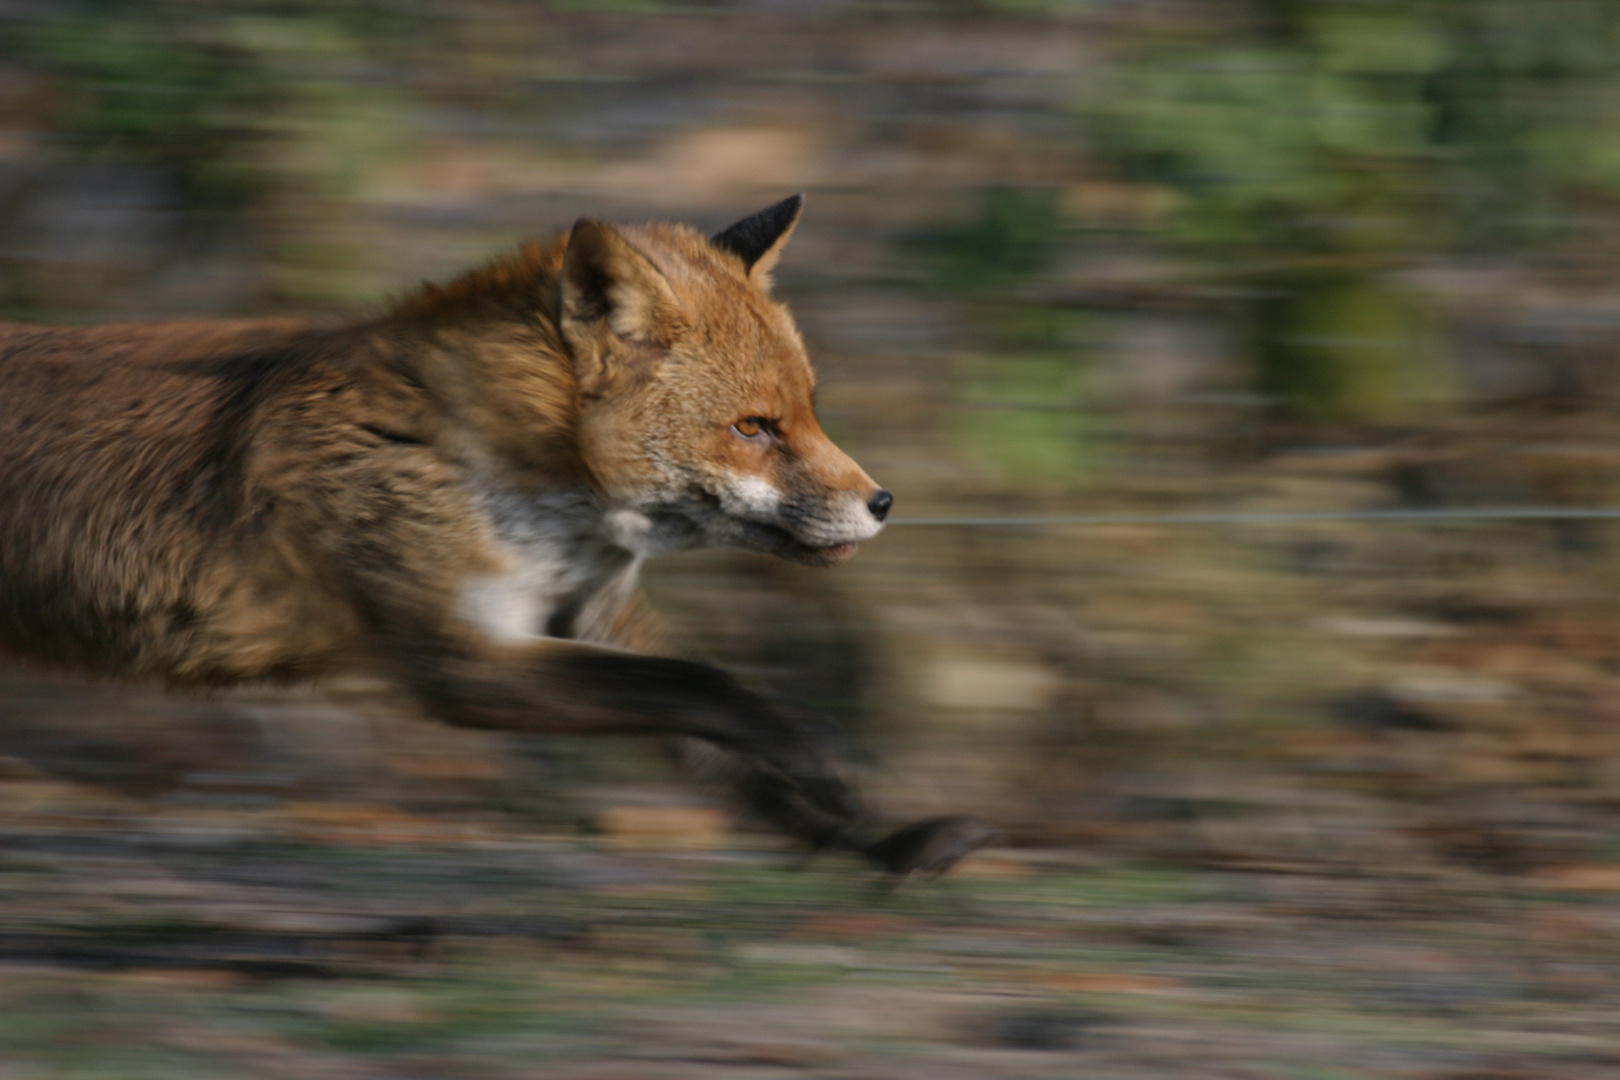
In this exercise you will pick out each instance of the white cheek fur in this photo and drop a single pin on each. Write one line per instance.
(753, 495)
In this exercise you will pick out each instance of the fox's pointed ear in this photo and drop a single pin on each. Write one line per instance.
(759, 238)
(607, 285)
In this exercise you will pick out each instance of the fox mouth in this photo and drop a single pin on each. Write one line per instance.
(827, 556)
(706, 515)
(775, 540)
(781, 542)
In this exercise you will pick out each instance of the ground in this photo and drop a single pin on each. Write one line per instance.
(340, 940)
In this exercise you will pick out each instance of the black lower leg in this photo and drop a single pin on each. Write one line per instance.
(804, 815)
(927, 847)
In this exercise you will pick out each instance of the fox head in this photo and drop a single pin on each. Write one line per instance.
(696, 420)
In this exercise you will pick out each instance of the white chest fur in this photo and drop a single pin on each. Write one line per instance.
(559, 561)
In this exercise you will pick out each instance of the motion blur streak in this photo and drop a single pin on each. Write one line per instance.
(1335, 796)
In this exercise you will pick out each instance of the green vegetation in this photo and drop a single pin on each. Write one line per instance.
(1314, 153)
(1301, 155)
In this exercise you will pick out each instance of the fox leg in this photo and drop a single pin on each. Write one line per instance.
(784, 772)
(567, 687)
(778, 766)
(762, 792)
(925, 847)
(625, 620)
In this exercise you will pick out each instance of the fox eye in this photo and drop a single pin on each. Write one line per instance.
(751, 428)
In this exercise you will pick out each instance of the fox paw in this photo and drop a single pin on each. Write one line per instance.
(931, 847)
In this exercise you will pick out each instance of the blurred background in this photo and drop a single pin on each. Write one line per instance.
(1298, 799)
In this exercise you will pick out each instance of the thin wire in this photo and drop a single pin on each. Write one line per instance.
(1281, 517)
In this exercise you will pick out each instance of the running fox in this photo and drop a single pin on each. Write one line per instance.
(458, 493)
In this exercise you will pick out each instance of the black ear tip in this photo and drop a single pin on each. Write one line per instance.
(750, 238)
(784, 208)
(788, 209)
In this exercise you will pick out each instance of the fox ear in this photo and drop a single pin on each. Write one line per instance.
(608, 285)
(759, 238)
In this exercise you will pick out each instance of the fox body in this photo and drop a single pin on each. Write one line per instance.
(458, 493)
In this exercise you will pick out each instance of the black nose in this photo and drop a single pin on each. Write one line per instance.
(880, 505)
